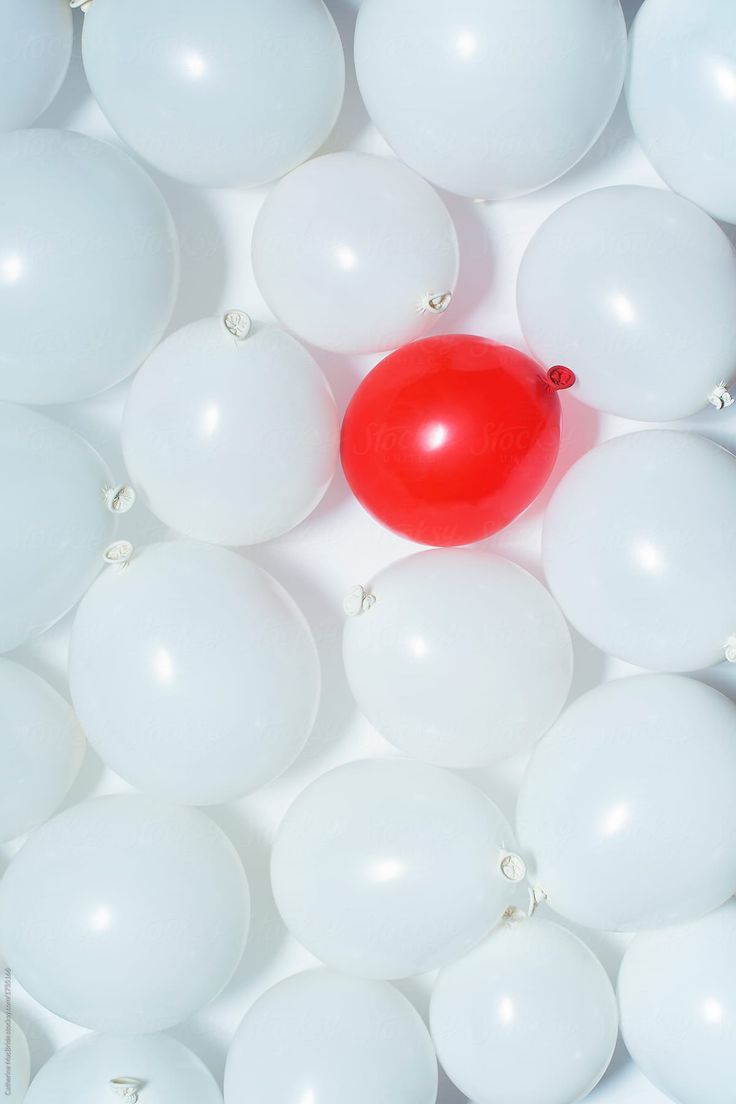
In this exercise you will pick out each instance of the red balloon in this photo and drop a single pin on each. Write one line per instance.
(448, 439)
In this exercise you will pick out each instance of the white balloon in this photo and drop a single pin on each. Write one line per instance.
(677, 997)
(634, 289)
(55, 525)
(681, 95)
(16, 1071)
(528, 1017)
(488, 99)
(626, 814)
(443, 661)
(231, 441)
(230, 93)
(124, 915)
(347, 1039)
(35, 50)
(385, 868)
(637, 538)
(89, 266)
(41, 749)
(166, 1071)
(355, 253)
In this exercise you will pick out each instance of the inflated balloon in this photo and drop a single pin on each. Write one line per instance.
(35, 49)
(217, 671)
(125, 915)
(56, 524)
(635, 290)
(626, 813)
(677, 997)
(41, 749)
(231, 93)
(89, 266)
(355, 253)
(231, 434)
(386, 868)
(681, 95)
(529, 1015)
(448, 439)
(636, 537)
(442, 656)
(488, 99)
(347, 1038)
(16, 1064)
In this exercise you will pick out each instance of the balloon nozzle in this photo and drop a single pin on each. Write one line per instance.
(127, 1088)
(119, 553)
(358, 601)
(729, 649)
(720, 397)
(560, 378)
(119, 499)
(435, 304)
(237, 323)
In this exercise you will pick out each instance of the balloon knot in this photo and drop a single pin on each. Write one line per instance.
(435, 304)
(729, 649)
(512, 866)
(560, 378)
(118, 499)
(237, 323)
(720, 397)
(83, 4)
(119, 553)
(127, 1088)
(358, 601)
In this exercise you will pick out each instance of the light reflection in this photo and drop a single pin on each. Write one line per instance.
(506, 1010)
(615, 819)
(163, 665)
(12, 268)
(623, 308)
(386, 870)
(211, 419)
(194, 65)
(466, 44)
(308, 1097)
(649, 558)
(435, 436)
(713, 1011)
(725, 77)
(418, 646)
(345, 258)
(101, 919)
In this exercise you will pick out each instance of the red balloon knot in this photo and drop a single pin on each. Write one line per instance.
(560, 378)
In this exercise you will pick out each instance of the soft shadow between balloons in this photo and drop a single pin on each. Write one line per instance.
(477, 265)
(353, 119)
(74, 91)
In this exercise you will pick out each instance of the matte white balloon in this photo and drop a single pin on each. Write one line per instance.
(89, 266)
(638, 537)
(327, 1038)
(216, 673)
(626, 813)
(55, 524)
(488, 99)
(17, 1071)
(462, 660)
(385, 868)
(41, 749)
(230, 93)
(681, 95)
(528, 1017)
(35, 49)
(355, 253)
(677, 996)
(634, 289)
(125, 915)
(231, 441)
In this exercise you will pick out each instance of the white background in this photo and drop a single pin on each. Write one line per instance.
(340, 545)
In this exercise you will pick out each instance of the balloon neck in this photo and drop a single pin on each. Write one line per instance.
(237, 323)
(358, 601)
(83, 4)
(560, 378)
(512, 866)
(729, 649)
(436, 303)
(126, 1088)
(118, 554)
(720, 397)
(119, 499)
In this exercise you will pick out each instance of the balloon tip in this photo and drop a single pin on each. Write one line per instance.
(560, 378)
(237, 323)
(358, 601)
(127, 1088)
(720, 397)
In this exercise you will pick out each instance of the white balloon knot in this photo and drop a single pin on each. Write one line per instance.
(537, 897)
(720, 397)
(514, 915)
(237, 323)
(436, 303)
(729, 649)
(127, 1088)
(119, 553)
(83, 4)
(512, 866)
(358, 601)
(118, 499)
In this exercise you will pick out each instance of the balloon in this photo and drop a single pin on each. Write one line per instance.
(626, 813)
(355, 253)
(124, 915)
(35, 50)
(232, 441)
(528, 1017)
(447, 440)
(346, 1038)
(216, 673)
(681, 95)
(41, 750)
(55, 525)
(637, 537)
(442, 660)
(16, 1064)
(677, 996)
(488, 99)
(386, 868)
(231, 93)
(87, 1071)
(89, 266)
(635, 290)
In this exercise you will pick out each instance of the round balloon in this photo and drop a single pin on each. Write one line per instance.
(355, 253)
(677, 996)
(231, 439)
(386, 868)
(635, 290)
(447, 440)
(35, 49)
(231, 93)
(626, 813)
(124, 915)
(349, 1039)
(488, 99)
(56, 525)
(442, 657)
(681, 95)
(41, 749)
(16, 1064)
(91, 1069)
(637, 537)
(217, 676)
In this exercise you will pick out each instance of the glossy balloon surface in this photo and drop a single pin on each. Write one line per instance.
(35, 48)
